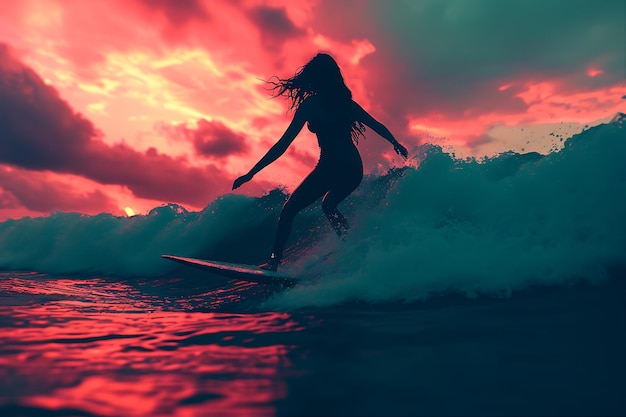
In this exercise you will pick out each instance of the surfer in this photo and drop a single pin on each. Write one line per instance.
(321, 98)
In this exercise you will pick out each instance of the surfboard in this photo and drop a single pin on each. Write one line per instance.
(237, 271)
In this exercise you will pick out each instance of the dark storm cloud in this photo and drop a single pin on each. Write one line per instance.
(211, 139)
(214, 139)
(40, 131)
(493, 38)
(36, 192)
(178, 12)
(150, 174)
(456, 48)
(274, 25)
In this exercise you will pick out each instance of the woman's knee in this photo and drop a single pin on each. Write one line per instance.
(332, 199)
(288, 210)
(291, 208)
(328, 206)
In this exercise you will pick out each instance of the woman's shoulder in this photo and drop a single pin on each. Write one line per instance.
(312, 100)
(357, 110)
(309, 103)
(315, 104)
(354, 104)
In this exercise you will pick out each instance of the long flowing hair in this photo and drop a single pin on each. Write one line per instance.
(322, 77)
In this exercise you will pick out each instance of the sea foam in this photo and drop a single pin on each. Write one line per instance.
(493, 226)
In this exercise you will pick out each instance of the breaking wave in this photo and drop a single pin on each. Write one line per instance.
(489, 226)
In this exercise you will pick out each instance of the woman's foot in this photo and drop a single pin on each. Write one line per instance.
(271, 264)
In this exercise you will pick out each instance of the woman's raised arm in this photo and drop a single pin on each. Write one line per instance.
(299, 118)
(364, 117)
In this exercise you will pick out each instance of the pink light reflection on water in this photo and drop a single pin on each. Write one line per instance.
(78, 354)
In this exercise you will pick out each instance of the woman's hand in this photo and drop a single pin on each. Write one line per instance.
(400, 150)
(242, 180)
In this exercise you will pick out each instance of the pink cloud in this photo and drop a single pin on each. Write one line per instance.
(274, 26)
(37, 192)
(177, 12)
(211, 139)
(40, 131)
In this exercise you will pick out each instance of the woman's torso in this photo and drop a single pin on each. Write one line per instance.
(332, 124)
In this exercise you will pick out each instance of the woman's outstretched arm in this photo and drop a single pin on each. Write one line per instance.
(364, 117)
(299, 118)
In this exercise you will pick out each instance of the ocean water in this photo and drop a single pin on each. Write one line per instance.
(492, 287)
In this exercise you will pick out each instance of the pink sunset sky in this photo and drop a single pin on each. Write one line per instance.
(120, 106)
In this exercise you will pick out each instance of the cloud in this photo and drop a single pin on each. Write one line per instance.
(36, 191)
(274, 26)
(211, 139)
(40, 131)
(178, 12)
(152, 175)
(456, 51)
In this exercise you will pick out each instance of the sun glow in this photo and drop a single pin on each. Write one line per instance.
(129, 211)
(594, 72)
(438, 131)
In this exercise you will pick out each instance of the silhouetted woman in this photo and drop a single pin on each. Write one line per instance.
(320, 97)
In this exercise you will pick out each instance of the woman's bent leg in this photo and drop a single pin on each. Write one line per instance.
(329, 205)
(312, 188)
